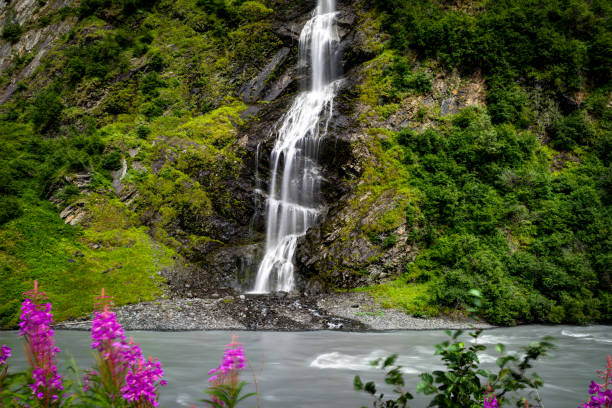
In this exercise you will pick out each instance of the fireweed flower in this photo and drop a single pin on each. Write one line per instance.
(142, 382)
(5, 352)
(35, 327)
(231, 365)
(122, 369)
(601, 394)
(490, 402)
(105, 330)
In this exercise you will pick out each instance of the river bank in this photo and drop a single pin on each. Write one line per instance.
(280, 311)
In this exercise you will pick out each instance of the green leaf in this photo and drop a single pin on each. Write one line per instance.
(370, 387)
(428, 378)
(357, 384)
(390, 361)
(500, 348)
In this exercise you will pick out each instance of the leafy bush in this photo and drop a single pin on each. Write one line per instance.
(571, 131)
(149, 84)
(405, 80)
(97, 58)
(252, 11)
(47, 109)
(9, 209)
(463, 383)
(12, 31)
(494, 218)
(112, 8)
(111, 161)
(143, 131)
(559, 45)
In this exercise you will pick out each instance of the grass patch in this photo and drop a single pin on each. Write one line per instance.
(413, 298)
(62, 258)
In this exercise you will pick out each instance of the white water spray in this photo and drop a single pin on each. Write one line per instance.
(293, 201)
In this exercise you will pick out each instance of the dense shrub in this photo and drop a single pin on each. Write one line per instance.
(111, 161)
(12, 31)
(562, 45)
(251, 11)
(150, 83)
(97, 58)
(112, 8)
(494, 218)
(571, 131)
(9, 209)
(47, 109)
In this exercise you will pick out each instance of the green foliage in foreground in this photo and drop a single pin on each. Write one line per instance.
(464, 383)
(12, 31)
(226, 396)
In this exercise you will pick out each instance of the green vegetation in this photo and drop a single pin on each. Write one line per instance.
(512, 198)
(12, 31)
(492, 216)
(73, 263)
(462, 382)
(563, 46)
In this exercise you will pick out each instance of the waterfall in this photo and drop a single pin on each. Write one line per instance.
(293, 199)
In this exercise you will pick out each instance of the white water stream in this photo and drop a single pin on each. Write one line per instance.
(293, 201)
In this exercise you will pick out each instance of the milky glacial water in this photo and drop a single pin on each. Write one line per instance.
(292, 206)
(316, 369)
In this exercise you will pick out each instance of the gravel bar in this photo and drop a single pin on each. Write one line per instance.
(280, 311)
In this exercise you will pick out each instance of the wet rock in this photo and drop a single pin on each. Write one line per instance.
(118, 176)
(280, 85)
(252, 90)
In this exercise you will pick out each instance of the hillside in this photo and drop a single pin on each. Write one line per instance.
(470, 147)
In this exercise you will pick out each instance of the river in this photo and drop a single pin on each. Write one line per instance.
(316, 369)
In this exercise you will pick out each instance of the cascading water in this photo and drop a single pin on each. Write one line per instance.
(293, 202)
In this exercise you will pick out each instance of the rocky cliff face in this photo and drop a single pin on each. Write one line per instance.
(40, 34)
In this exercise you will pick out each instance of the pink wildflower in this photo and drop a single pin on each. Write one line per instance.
(601, 394)
(142, 382)
(5, 352)
(123, 370)
(490, 402)
(35, 327)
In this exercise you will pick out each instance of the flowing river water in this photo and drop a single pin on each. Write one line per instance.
(316, 369)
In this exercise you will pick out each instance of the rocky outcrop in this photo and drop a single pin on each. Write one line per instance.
(36, 41)
(75, 213)
(252, 90)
